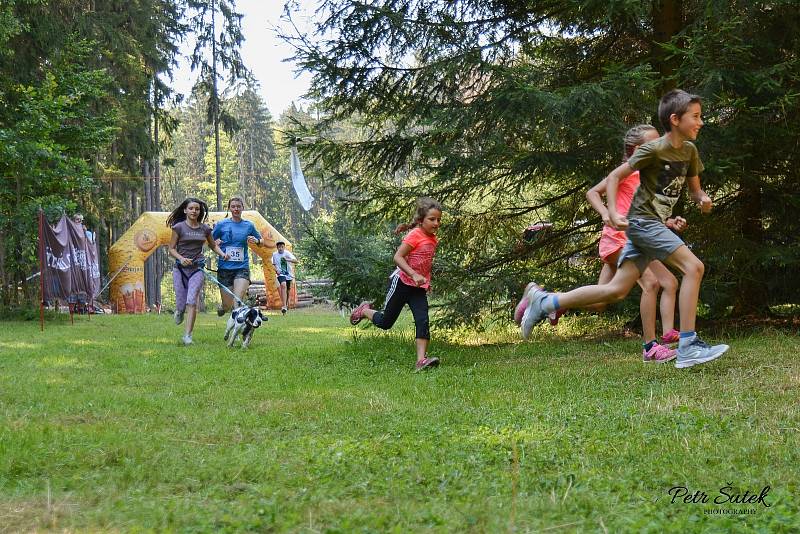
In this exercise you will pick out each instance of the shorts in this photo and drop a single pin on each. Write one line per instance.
(611, 242)
(648, 240)
(282, 279)
(227, 276)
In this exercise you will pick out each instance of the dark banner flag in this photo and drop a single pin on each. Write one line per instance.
(71, 268)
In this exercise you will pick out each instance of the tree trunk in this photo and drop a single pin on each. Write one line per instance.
(215, 104)
(668, 21)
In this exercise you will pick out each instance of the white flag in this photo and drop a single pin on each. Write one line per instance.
(299, 182)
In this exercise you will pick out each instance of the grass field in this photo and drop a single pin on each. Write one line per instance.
(110, 425)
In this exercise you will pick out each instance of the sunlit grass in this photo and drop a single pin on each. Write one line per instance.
(111, 425)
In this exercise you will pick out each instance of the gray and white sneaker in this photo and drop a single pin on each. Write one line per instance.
(187, 339)
(534, 312)
(697, 352)
(179, 316)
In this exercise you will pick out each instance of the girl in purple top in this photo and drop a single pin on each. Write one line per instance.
(189, 232)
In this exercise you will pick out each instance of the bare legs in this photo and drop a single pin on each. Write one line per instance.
(240, 287)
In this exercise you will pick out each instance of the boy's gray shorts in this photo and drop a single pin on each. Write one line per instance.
(648, 240)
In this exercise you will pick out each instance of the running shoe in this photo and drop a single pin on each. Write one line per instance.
(426, 363)
(698, 351)
(672, 336)
(658, 354)
(519, 311)
(534, 311)
(358, 313)
(179, 316)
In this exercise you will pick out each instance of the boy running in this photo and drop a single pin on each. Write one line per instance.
(664, 165)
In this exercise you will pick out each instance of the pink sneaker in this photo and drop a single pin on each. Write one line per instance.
(426, 363)
(358, 313)
(658, 353)
(673, 336)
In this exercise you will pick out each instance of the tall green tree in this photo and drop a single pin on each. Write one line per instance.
(508, 111)
(218, 38)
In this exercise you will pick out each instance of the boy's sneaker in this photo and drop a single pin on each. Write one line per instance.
(179, 316)
(187, 339)
(698, 351)
(220, 312)
(523, 303)
(672, 336)
(552, 317)
(658, 353)
(534, 312)
(358, 313)
(426, 363)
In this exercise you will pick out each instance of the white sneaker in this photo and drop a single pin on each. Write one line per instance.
(178, 316)
(698, 351)
(534, 312)
(187, 339)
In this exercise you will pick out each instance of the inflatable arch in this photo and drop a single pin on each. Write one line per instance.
(150, 231)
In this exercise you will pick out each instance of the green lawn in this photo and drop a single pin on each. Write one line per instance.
(110, 425)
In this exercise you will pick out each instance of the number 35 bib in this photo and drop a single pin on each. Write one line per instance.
(235, 253)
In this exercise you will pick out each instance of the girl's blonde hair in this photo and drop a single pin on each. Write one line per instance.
(633, 138)
(424, 205)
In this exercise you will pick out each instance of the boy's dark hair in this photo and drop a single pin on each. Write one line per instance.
(280, 243)
(676, 102)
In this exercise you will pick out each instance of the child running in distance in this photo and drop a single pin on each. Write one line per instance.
(411, 281)
(282, 261)
(189, 232)
(664, 165)
(656, 277)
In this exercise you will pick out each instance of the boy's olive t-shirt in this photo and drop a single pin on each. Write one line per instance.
(662, 171)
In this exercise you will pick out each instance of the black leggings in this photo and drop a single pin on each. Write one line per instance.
(400, 294)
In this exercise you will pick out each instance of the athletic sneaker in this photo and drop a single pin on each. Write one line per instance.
(658, 353)
(672, 336)
(523, 303)
(187, 339)
(698, 351)
(179, 316)
(358, 313)
(534, 312)
(426, 363)
(220, 312)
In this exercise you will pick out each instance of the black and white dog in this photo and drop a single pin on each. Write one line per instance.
(243, 320)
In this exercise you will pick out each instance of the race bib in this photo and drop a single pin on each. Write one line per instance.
(235, 253)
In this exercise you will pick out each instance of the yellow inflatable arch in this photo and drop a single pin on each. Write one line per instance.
(150, 231)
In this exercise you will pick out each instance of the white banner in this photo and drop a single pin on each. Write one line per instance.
(299, 181)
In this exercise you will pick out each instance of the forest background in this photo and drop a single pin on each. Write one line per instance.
(507, 112)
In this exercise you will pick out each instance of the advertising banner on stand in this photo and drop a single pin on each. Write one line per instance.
(71, 269)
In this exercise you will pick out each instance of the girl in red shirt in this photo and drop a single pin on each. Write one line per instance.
(411, 281)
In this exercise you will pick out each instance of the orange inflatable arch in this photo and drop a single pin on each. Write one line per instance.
(150, 231)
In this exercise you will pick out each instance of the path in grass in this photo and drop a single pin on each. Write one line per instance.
(111, 425)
